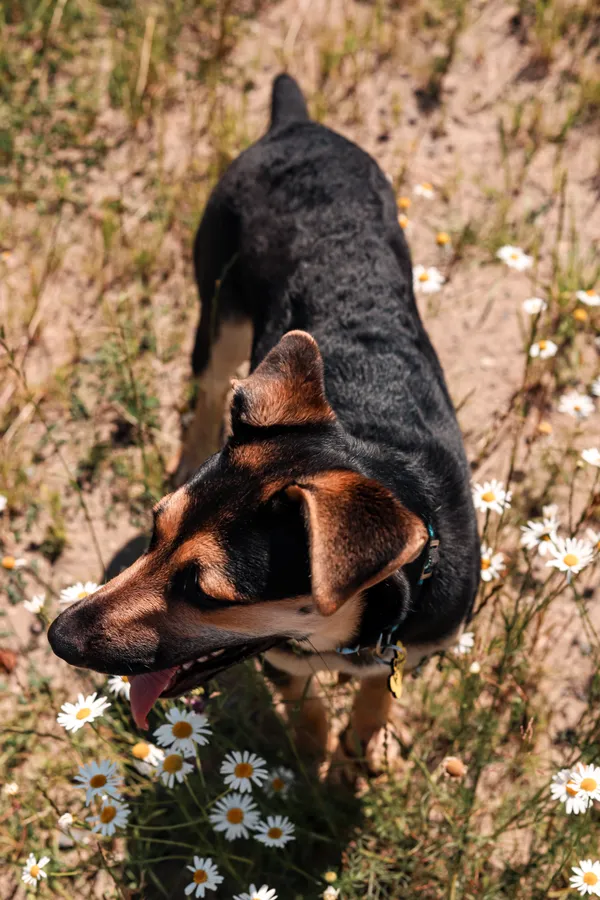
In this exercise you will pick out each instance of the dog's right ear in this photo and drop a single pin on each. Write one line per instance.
(359, 533)
(286, 388)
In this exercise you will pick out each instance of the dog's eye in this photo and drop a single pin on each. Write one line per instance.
(185, 586)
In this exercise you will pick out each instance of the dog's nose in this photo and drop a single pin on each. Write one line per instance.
(67, 640)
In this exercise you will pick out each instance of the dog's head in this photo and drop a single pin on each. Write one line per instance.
(274, 532)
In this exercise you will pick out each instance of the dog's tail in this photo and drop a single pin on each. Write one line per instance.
(287, 102)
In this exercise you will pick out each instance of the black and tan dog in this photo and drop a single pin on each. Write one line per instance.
(312, 534)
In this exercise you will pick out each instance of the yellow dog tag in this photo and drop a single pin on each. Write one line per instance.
(397, 670)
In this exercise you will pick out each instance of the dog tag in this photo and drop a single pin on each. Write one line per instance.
(397, 670)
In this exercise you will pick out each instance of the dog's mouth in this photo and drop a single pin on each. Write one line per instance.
(173, 682)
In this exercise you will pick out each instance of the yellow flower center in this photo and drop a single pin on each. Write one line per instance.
(426, 186)
(580, 315)
(488, 497)
(141, 750)
(590, 293)
(424, 276)
(107, 814)
(173, 763)
(275, 833)
(82, 595)
(98, 781)
(402, 221)
(570, 559)
(577, 407)
(404, 202)
(442, 238)
(589, 785)
(235, 815)
(125, 679)
(243, 770)
(182, 729)
(514, 255)
(83, 713)
(590, 878)
(572, 790)
(542, 345)
(330, 877)
(8, 562)
(200, 876)
(545, 537)
(278, 784)
(485, 562)
(35, 871)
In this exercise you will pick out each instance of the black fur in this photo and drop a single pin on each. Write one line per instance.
(302, 233)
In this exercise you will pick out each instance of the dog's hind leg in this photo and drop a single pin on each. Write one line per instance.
(223, 339)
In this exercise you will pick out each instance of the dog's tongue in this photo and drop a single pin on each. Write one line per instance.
(145, 691)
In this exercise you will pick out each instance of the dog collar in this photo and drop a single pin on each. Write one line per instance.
(429, 558)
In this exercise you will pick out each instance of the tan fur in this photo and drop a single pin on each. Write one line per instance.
(229, 351)
(307, 715)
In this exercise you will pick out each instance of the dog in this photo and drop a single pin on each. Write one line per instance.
(334, 527)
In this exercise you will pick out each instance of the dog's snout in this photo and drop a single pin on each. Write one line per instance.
(67, 640)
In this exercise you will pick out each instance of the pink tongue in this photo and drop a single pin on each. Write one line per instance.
(145, 691)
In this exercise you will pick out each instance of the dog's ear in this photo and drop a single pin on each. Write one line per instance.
(286, 388)
(359, 533)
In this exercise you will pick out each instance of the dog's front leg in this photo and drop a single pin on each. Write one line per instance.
(363, 740)
(307, 715)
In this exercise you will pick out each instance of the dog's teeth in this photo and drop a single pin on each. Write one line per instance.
(218, 652)
(187, 665)
(202, 659)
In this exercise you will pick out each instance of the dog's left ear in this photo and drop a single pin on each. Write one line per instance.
(359, 533)
(286, 388)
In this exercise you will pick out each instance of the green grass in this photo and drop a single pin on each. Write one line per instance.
(98, 310)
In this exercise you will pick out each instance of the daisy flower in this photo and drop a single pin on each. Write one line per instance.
(586, 879)
(10, 562)
(36, 603)
(586, 781)
(275, 832)
(11, 788)
(442, 239)
(280, 781)
(591, 456)
(465, 644)
(78, 591)
(113, 814)
(73, 716)
(580, 406)
(475, 668)
(580, 314)
(515, 258)
(594, 537)
(404, 222)
(205, 877)
(404, 203)
(595, 387)
(590, 298)
(3, 503)
(174, 767)
(65, 821)
(241, 769)
(534, 305)
(234, 814)
(563, 792)
(424, 189)
(254, 893)
(99, 779)
(491, 496)
(119, 685)
(33, 869)
(492, 564)
(539, 535)
(331, 893)
(147, 757)
(544, 349)
(429, 281)
(571, 555)
(182, 730)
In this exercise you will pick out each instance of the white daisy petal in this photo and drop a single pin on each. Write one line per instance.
(174, 768)
(182, 731)
(78, 591)
(241, 770)
(587, 877)
(465, 644)
(119, 685)
(33, 869)
(491, 496)
(113, 814)
(147, 758)
(424, 189)
(275, 832)
(544, 349)
(36, 604)
(99, 779)
(534, 305)
(515, 258)
(570, 555)
(590, 298)
(427, 280)
(235, 815)
(540, 534)
(492, 564)
(580, 406)
(279, 782)
(254, 893)
(205, 877)
(73, 716)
